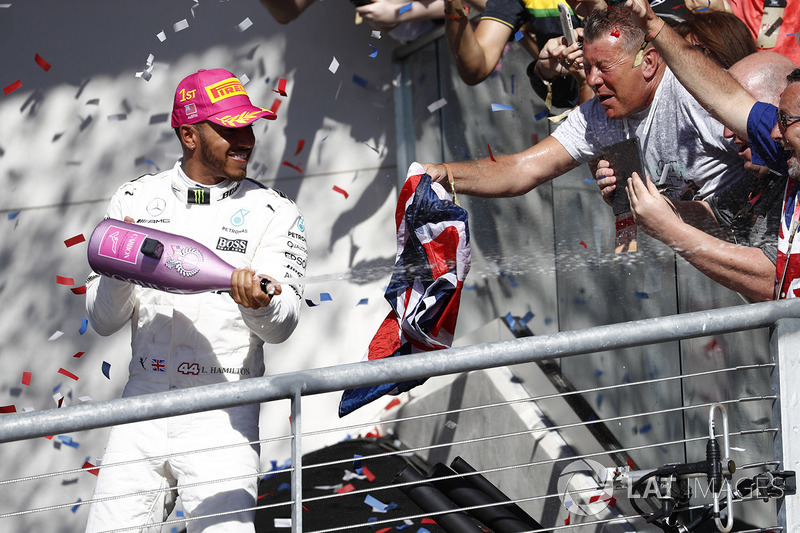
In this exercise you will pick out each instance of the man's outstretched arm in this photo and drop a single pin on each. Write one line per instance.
(716, 90)
(507, 175)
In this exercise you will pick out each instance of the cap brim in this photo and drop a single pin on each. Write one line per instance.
(239, 117)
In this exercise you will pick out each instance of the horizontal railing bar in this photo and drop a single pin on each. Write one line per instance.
(27, 425)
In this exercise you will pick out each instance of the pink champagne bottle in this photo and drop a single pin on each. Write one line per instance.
(157, 259)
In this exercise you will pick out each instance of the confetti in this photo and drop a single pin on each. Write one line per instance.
(79, 290)
(61, 280)
(12, 216)
(243, 25)
(300, 144)
(91, 469)
(78, 355)
(325, 297)
(161, 36)
(405, 8)
(357, 463)
(334, 66)
(645, 428)
(518, 35)
(283, 522)
(705, 8)
(345, 488)
(491, 156)
(106, 369)
(393, 403)
(376, 34)
(501, 107)
(438, 104)
(55, 335)
(363, 301)
(310, 303)
(275, 105)
(367, 472)
(67, 373)
(67, 440)
(42, 63)
(374, 52)
(180, 25)
(244, 79)
(76, 506)
(117, 118)
(540, 115)
(59, 399)
(358, 80)
(8, 409)
(641, 295)
(72, 241)
(375, 503)
(281, 90)
(297, 168)
(13, 87)
(583, 244)
(26, 378)
(340, 191)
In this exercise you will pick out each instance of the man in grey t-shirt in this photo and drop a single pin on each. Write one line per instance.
(682, 144)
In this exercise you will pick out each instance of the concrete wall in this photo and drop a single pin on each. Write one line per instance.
(61, 158)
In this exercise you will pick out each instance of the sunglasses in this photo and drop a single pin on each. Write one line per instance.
(783, 120)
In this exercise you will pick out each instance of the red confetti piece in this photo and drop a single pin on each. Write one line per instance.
(50, 437)
(297, 168)
(583, 244)
(93, 471)
(79, 290)
(275, 105)
(77, 239)
(615, 32)
(64, 281)
(384, 530)
(340, 190)
(711, 345)
(370, 476)
(612, 502)
(566, 520)
(631, 463)
(13, 87)
(67, 373)
(428, 521)
(78, 355)
(8, 409)
(490, 153)
(26, 378)
(281, 90)
(346, 488)
(300, 144)
(678, 7)
(393, 403)
(42, 63)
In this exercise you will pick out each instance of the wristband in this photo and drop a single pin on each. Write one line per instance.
(458, 13)
(655, 33)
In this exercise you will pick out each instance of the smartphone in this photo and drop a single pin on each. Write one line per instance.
(625, 158)
(566, 23)
(770, 24)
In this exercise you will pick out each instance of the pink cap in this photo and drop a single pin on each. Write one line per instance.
(215, 95)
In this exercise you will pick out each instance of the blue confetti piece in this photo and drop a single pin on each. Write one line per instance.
(374, 52)
(374, 503)
(402, 526)
(548, 320)
(599, 400)
(645, 428)
(642, 296)
(501, 107)
(518, 35)
(55, 389)
(526, 318)
(357, 463)
(390, 506)
(325, 297)
(267, 80)
(409, 5)
(67, 440)
(540, 115)
(705, 8)
(174, 530)
(179, 514)
(12, 216)
(84, 326)
(106, 369)
(77, 504)
(589, 180)
(423, 530)
(510, 320)
(310, 303)
(358, 80)
(151, 162)
(284, 486)
(372, 519)
(363, 301)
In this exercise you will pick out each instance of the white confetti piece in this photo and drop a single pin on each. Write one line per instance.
(117, 118)
(85, 399)
(145, 75)
(243, 25)
(180, 25)
(450, 424)
(55, 335)
(438, 104)
(28, 409)
(283, 522)
(161, 36)
(348, 475)
(244, 79)
(376, 34)
(334, 66)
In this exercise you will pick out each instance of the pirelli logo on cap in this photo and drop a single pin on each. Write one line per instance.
(225, 89)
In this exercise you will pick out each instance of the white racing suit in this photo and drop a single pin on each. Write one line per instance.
(183, 341)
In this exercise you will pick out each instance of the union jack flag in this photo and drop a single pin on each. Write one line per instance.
(158, 365)
(433, 259)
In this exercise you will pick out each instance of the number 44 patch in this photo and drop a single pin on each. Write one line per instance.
(189, 368)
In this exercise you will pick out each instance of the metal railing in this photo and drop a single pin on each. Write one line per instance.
(783, 317)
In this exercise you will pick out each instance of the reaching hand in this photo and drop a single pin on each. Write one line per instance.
(438, 173)
(380, 14)
(642, 13)
(652, 211)
(606, 180)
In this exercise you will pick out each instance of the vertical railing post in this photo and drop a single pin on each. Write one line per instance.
(297, 464)
(784, 352)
